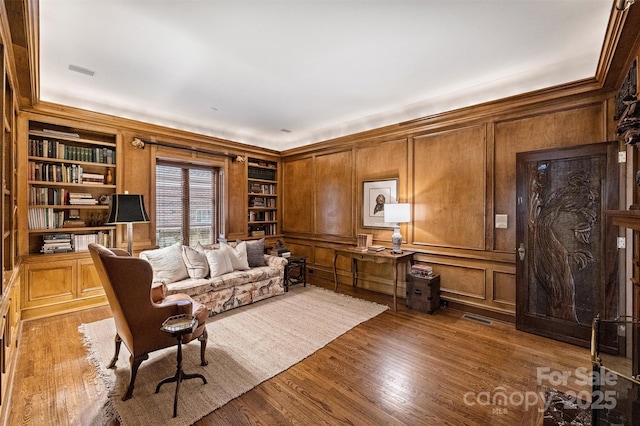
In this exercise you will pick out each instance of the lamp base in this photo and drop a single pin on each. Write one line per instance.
(396, 240)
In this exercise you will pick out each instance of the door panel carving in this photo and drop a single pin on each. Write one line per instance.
(565, 276)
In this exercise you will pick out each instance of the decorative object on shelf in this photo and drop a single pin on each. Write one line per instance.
(104, 200)
(129, 209)
(375, 195)
(139, 143)
(108, 179)
(397, 213)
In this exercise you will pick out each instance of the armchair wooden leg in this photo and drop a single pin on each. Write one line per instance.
(135, 364)
(203, 346)
(112, 364)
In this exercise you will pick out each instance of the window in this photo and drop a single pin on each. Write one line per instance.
(186, 204)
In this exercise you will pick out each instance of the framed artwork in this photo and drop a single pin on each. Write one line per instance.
(375, 194)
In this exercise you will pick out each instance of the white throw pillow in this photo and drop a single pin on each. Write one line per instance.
(167, 263)
(238, 255)
(195, 261)
(219, 262)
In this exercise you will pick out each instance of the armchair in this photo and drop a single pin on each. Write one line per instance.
(139, 309)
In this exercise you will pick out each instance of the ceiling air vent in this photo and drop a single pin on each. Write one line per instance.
(81, 70)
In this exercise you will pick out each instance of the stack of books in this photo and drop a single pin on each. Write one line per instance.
(92, 178)
(364, 241)
(422, 271)
(375, 248)
(81, 199)
(56, 243)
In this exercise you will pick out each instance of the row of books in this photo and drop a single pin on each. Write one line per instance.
(262, 188)
(72, 173)
(55, 149)
(59, 197)
(65, 243)
(262, 202)
(261, 216)
(45, 219)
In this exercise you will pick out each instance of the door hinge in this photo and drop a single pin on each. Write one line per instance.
(622, 242)
(622, 156)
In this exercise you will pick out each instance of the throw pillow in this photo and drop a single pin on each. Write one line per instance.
(219, 262)
(195, 261)
(238, 255)
(167, 263)
(255, 253)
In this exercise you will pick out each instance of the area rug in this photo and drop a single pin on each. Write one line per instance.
(246, 346)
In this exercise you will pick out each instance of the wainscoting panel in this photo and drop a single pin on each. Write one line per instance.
(504, 289)
(552, 130)
(334, 194)
(449, 188)
(297, 198)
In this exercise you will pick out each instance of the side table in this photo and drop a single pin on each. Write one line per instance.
(178, 326)
(423, 293)
(295, 272)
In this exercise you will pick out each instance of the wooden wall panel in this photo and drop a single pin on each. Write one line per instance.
(461, 280)
(297, 196)
(504, 288)
(236, 199)
(382, 161)
(334, 194)
(449, 189)
(552, 130)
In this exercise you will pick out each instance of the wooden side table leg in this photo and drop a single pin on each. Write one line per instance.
(354, 270)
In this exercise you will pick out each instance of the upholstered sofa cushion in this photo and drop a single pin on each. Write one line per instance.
(255, 253)
(195, 261)
(237, 255)
(167, 263)
(219, 262)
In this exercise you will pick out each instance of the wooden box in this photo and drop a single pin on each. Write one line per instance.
(423, 294)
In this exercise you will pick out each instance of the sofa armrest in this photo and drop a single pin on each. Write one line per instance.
(275, 261)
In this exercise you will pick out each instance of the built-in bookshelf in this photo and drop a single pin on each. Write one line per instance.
(262, 188)
(71, 175)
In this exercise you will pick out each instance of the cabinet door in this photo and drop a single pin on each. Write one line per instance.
(49, 283)
(88, 281)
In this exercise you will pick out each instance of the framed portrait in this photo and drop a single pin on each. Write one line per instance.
(375, 194)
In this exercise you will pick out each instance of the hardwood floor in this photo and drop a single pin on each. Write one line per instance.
(404, 368)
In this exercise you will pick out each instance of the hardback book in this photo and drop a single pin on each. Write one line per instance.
(375, 248)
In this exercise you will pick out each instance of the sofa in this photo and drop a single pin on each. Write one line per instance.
(221, 277)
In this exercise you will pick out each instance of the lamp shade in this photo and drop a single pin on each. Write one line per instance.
(127, 208)
(397, 213)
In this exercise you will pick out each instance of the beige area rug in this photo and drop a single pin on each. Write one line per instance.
(246, 346)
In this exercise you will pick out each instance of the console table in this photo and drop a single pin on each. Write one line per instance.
(384, 256)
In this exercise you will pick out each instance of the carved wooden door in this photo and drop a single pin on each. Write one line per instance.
(566, 267)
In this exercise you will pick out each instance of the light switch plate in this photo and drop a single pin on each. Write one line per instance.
(502, 221)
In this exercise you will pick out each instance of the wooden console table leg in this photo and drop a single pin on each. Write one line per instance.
(354, 271)
(335, 271)
(395, 287)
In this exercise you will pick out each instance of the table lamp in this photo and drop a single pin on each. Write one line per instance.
(129, 209)
(397, 213)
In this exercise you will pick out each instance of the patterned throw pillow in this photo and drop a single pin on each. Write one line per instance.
(255, 253)
(195, 261)
(238, 255)
(167, 263)
(219, 262)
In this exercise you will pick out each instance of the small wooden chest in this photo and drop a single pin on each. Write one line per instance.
(423, 294)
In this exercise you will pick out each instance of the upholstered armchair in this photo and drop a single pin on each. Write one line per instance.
(139, 309)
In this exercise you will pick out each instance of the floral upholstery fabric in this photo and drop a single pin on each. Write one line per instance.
(235, 288)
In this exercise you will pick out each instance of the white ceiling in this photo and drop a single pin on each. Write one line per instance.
(244, 70)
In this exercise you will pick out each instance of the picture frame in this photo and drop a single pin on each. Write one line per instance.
(375, 194)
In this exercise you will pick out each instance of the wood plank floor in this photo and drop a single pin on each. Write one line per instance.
(400, 368)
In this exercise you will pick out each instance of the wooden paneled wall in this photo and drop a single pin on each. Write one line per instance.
(457, 174)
